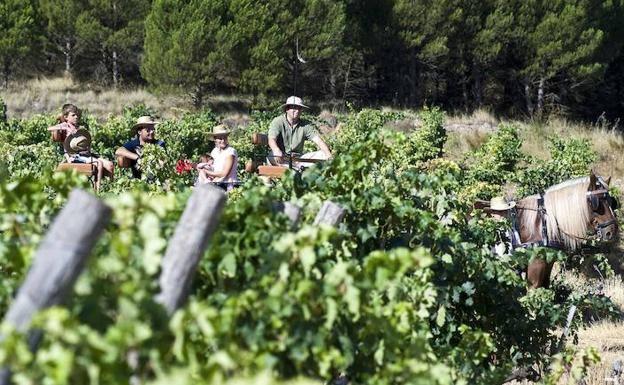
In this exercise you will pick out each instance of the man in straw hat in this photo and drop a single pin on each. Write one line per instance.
(288, 132)
(145, 131)
(501, 210)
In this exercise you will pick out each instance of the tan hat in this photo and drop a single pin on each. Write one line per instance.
(294, 101)
(78, 142)
(500, 204)
(144, 121)
(220, 129)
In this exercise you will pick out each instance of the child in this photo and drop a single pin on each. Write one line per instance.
(206, 163)
(68, 120)
(77, 143)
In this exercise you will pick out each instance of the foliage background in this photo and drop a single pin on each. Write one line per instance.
(516, 58)
(405, 290)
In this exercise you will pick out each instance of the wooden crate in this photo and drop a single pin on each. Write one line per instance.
(81, 168)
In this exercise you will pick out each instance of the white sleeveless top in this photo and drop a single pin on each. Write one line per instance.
(220, 157)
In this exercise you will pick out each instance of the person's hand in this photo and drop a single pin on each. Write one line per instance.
(278, 156)
(70, 128)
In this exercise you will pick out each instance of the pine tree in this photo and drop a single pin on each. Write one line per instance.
(287, 46)
(424, 28)
(569, 48)
(60, 27)
(112, 32)
(188, 44)
(18, 34)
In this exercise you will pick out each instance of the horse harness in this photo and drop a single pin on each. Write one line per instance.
(593, 197)
(515, 240)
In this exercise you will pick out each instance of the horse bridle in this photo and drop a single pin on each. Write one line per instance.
(593, 197)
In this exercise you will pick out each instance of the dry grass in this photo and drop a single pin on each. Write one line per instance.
(478, 116)
(607, 140)
(607, 337)
(47, 95)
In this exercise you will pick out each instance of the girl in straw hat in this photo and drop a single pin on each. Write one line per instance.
(77, 144)
(225, 157)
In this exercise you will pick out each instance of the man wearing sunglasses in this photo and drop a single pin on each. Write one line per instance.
(145, 130)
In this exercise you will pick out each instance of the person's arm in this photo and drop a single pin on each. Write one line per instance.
(277, 153)
(273, 133)
(122, 151)
(227, 167)
(322, 146)
(59, 127)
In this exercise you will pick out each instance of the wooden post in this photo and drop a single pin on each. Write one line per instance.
(330, 214)
(58, 261)
(189, 241)
(292, 211)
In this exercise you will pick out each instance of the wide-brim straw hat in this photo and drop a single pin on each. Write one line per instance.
(294, 101)
(500, 204)
(78, 142)
(218, 130)
(144, 121)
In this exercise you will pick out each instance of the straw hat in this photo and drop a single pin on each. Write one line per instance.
(144, 121)
(294, 101)
(500, 204)
(78, 142)
(219, 129)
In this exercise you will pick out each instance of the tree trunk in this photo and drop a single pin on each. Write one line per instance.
(68, 52)
(527, 97)
(413, 82)
(197, 95)
(464, 87)
(346, 83)
(540, 96)
(115, 69)
(478, 86)
(332, 84)
(7, 72)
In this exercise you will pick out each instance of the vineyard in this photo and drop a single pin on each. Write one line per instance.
(404, 290)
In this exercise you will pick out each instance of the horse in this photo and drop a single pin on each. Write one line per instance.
(565, 216)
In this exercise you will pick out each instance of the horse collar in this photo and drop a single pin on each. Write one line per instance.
(544, 242)
(542, 210)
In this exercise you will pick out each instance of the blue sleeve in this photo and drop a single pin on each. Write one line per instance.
(131, 145)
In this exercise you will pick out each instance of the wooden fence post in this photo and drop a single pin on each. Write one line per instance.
(60, 258)
(330, 214)
(292, 211)
(189, 241)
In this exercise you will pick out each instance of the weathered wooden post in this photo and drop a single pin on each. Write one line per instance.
(58, 261)
(292, 211)
(189, 241)
(330, 214)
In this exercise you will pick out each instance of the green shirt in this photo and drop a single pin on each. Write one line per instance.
(291, 139)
